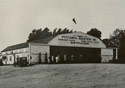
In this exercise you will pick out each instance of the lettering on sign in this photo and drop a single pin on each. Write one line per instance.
(77, 39)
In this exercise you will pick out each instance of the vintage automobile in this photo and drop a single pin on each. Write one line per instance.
(21, 62)
(1, 63)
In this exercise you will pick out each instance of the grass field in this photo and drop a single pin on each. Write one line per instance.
(63, 76)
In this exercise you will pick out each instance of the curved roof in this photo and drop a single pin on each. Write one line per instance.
(77, 39)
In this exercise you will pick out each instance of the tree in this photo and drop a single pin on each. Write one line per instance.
(45, 33)
(66, 30)
(118, 39)
(106, 42)
(61, 31)
(54, 31)
(95, 32)
(46, 30)
(122, 40)
(117, 36)
(71, 31)
(32, 36)
(39, 33)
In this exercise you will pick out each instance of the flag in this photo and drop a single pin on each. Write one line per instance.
(74, 20)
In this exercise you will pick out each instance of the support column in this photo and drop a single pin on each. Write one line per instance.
(116, 53)
(29, 59)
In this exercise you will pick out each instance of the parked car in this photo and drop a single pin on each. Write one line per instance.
(1, 63)
(21, 62)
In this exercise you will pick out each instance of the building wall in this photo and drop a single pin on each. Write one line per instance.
(10, 55)
(32, 53)
(37, 51)
(9, 60)
(106, 54)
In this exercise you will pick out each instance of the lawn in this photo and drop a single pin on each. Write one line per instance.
(63, 76)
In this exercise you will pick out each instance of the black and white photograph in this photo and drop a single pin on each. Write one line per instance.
(62, 43)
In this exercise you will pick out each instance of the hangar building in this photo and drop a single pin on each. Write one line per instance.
(75, 47)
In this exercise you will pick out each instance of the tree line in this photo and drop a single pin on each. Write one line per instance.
(42, 33)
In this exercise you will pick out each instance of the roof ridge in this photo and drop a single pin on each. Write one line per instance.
(17, 46)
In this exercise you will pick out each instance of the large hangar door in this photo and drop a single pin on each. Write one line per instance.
(92, 55)
(61, 54)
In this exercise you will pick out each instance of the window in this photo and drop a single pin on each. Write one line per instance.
(4, 57)
(18, 56)
(10, 58)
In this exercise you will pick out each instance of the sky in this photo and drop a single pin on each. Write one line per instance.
(19, 17)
